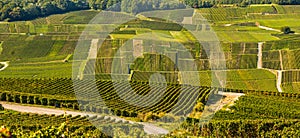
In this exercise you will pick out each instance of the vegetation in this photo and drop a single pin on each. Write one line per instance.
(258, 114)
(242, 128)
(35, 125)
(286, 30)
(26, 10)
(40, 51)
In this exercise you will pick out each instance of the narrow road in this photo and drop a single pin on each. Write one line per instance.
(148, 128)
(5, 65)
(279, 79)
(281, 61)
(268, 28)
(93, 49)
(260, 54)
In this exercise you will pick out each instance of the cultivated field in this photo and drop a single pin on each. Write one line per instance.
(148, 55)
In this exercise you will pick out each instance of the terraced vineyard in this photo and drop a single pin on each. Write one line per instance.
(257, 114)
(254, 107)
(40, 54)
(50, 91)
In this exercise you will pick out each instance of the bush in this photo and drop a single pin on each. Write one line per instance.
(75, 106)
(52, 102)
(44, 101)
(37, 100)
(31, 100)
(286, 30)
(17, 99)
(1, 107)
(24, 99)
(3, 97)
(99, 110)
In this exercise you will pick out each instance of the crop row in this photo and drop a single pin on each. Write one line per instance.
(290, 76)
(171, 77)
(49, 91)
(254, 107)
(222, 14)
(291, 87)
(243, 128)
(33, 122)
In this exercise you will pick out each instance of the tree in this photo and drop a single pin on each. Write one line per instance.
(286, 30)
(1, 107)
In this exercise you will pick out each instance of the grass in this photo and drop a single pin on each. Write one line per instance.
(246, 79)
(278, 23)
(291, 87)
(38, 70)
(1, 48)
(79, 17)
(56, 48)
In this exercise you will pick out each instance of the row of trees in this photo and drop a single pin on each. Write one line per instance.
(248, 2)
(13, 10)
(25, 10)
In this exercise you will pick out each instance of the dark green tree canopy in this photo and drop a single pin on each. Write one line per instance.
(13, 10)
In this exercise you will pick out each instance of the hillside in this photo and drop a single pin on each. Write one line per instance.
(150, 67)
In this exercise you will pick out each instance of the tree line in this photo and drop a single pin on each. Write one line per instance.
(13, 10)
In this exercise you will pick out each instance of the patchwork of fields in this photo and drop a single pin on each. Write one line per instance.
(153, 55)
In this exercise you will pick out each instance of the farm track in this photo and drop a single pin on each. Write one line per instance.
(54, 61)
(268, 28)
(259, 62)
(279, 79)
(148, 128)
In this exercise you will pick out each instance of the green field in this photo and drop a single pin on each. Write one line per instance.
(41, 58)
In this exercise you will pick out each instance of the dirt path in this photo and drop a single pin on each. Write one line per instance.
(281, 61)
(93, 49)
(268, 28)
(148, 128)
(259, 61)
(213, 104)
(92, 55)
(54, 61)
(278, 81)
(5, 65)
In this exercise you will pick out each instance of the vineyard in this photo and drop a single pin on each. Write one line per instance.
(258, 114)
(253, 107)
(24, 124)
(40, 55)
(51, 91)
(242, 128)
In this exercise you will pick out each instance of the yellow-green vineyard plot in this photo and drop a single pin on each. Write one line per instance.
(58, 69)
(58, 89)
(244, 79)
(74, 125)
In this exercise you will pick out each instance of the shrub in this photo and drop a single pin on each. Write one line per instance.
(37, 100)
(1, 107)
(75, 106)
(44, 101)
(99, 110)
(24, 99)
(17, 98)
(52, 102)
(286, 30)
(3, 97)
(31, 100)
